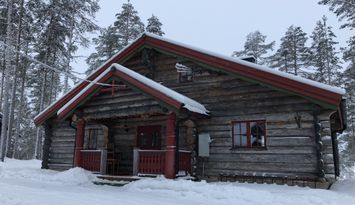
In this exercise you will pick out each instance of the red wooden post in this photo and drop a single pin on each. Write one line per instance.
(169, 171)
(79, 142)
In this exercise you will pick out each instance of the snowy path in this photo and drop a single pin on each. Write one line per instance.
(23, 183)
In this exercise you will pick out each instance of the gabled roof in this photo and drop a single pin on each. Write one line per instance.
(138, 81)
(321, 93)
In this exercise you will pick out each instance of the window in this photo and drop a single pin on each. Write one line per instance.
(249, 134)
(92, 140)
(185, 72)
(185, 76)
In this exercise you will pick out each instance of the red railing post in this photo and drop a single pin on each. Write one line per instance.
(79, 142)
(169, 170)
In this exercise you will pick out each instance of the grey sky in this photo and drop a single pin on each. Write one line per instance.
(222, 25)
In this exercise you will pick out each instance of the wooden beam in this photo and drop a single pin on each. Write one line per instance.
(79, 142)
(169, 171)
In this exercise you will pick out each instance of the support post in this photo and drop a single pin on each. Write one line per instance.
(103, 161)
(79, 142)
(135, 161)
(169, 170)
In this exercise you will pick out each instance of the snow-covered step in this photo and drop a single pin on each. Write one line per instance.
(114, 180)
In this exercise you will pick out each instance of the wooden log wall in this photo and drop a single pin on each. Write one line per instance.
(61, 152)
(291, 150)
(123, 103)
(290, 146)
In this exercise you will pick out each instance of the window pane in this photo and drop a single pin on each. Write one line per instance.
(243, 126)
(257, 130)
(237, 140)
(244, 142)
(237, 130)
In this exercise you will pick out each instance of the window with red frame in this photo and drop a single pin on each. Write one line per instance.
(249, 134)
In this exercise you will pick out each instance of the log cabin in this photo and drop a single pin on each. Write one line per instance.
(160, 107)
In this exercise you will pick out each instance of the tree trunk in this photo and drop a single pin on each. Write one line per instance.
(14, 85)
(22, 97)
(41, 105)
(5, 103)
(2, 79)
(69, 56)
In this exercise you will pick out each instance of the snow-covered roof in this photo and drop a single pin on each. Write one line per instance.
(253, 65)
(297, 84)
(186, 102)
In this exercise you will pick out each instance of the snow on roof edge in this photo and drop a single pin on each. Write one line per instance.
(83, 90)
(92, 73)
(235, 60)
(253, 65)
(188, 103)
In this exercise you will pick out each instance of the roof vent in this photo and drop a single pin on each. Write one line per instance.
(248, 58)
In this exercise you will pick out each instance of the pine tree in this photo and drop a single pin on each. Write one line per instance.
(127, 27)
(107, 45)
(323, 56)
(7, 79)
(292, 54)
(255, 46)
(53, 29)
(349, 76)
(154, 26)
(81, 15)
(128, 24)
(344, 9)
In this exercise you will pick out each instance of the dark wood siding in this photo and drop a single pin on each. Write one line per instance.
(290, 149)
(61, 151)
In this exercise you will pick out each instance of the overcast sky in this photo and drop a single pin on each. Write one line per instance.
(221, 25)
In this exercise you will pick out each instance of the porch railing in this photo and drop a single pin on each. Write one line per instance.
(94, 160)
(153, 161)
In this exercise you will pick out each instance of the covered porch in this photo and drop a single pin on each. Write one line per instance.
(145, 150)
(134, 127)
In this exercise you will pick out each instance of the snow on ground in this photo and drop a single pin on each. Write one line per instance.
(24, 183)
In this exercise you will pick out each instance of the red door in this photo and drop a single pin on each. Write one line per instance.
(149, 137)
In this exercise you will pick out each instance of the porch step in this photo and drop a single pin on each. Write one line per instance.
(110, 183)
(114, 180)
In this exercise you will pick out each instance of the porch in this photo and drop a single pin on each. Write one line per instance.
(145, 162)
(135, 147)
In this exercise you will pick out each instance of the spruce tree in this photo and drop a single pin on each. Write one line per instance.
(256, 47)
(81, 15)
(106, 46)
(126, 28)
(154, 26)
(323, 57)
(349, 84)
(128, 24)
(7, 79)
(292, 54)
(344, 9)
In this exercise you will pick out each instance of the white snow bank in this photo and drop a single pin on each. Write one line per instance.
(345, 186)
(241, 193)
(30, 170)
(43, 187)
